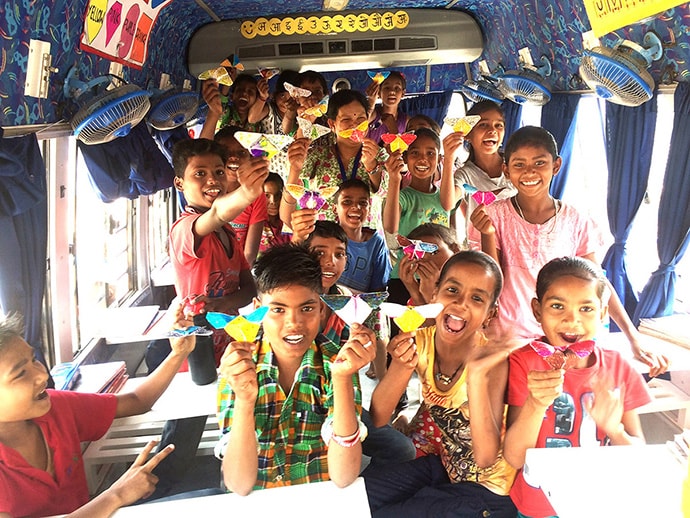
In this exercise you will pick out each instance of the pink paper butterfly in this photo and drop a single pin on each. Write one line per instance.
(481, 197)
(563, 357)
(415, 249)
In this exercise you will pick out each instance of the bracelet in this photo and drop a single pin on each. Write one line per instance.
(263, 99)
(344, 441)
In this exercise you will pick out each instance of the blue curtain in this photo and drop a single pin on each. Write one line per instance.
(559, 116)
(629, 144)
(657, 298)
(23, 234)
(513, 114)
(434, 105)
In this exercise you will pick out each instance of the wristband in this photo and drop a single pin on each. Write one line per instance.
(345, 441)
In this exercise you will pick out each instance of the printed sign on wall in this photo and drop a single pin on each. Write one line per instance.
(608, 15)
(119, 30)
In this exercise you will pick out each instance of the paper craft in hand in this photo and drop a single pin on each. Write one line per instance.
(481, 197)
(462, 124)
(356, 134)
(563, 357)
(399, 141)
(268, 73)
(310, 130)
(220, 74)
(378, 77)
(310, 198)
(242, 328)
(232, 61)
(414, 248)
(409, 318)
(318, 109)
(262, 144)
(355, 309)
(296, 91)
(191, 330)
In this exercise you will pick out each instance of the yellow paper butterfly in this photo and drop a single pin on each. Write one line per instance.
(462, 124)
(409, 318)
(261, 144)
(220, 74)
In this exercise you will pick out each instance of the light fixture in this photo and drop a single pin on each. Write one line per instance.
(351, 65)
(38, 69)
(334, 5)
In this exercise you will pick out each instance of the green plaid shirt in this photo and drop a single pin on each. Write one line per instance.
(288, 427)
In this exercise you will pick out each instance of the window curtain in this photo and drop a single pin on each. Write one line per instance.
(23, 234)
(559, 116)
(167, 139)
(127, 167)
(434, 105)
(657, 297)
(513, 114)
(629, 144)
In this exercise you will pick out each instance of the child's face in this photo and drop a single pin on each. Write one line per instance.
(392, 91)
(352, 208)
(333, 258)
(273, 194)
(204, 180)
(237, 155)
(349, 117)
(422, 158)
(570, 310)
(244, 95)
(23, 382)
(438, 258)
(487, 136)
(285, 102)
(317, 92)
(530, 169)
(293, 320)
(466, 293)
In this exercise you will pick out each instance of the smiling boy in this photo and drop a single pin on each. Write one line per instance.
(289, 404)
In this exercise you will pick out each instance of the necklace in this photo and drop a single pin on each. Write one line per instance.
(444, 378)
(555, 210)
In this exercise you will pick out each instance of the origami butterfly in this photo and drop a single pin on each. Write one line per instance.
(481, 197)
(191, 330)
(378, 77)
(414, 248)
(310, 130)
(563, 357)
(220, 74)
(261, 144)
(357, 133)
(296, 91)
(354, 309)
(318, 109)
(462, 124)
(233, 62)
(311, 198)
(243, 328)
(399, 141)
(268, 73)
(409, 318)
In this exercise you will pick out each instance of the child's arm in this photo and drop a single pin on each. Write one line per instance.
(241, 460)
(252, 242)
(407, 271)
(482, 222)
(211, 94)
(297, 154)
(524, 422)
(142, 398)
(487, 377)
(344, 461)
(136, 483)
(372, 93)
(391, 209)
(370, 153)
(259, 110)
(387, 393)
(449, 193)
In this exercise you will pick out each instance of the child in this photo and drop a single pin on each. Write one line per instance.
(249, 225)
(590, 401)
(420, 276)
(277, 112)
(526, 231)
(422, 121)
(463, 386)
(242, 97)
(386, 118)
(422, 201)
(273, 234)
(484, 166)
(288, 408)
(330, 161)
(41, 430)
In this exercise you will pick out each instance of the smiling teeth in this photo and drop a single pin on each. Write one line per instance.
(293, 339)
(328, 274)
(533, 182)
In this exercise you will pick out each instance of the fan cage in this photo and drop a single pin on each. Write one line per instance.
(615, 80)
(173, 109)
(200, 115)
(111, 115)
(524, 87)
(482, 89)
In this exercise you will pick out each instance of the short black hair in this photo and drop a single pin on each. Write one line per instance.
(188, 148)
(244, 78)
(288, 265)
(313, 77)
(286, 76)
(429, 133)
(481, 259)
(343, 98)
(484, 106)
(394, 74)
(531, 136)
(226, 132)
(276, 179)
(327, 229)
(570, 266)
(352, 183)
(11, 326)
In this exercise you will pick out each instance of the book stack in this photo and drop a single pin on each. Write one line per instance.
(106, 378)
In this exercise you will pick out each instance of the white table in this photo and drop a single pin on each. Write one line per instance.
(301, 501)
(630, 481)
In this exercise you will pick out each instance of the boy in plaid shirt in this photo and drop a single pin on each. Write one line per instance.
(289, 404)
